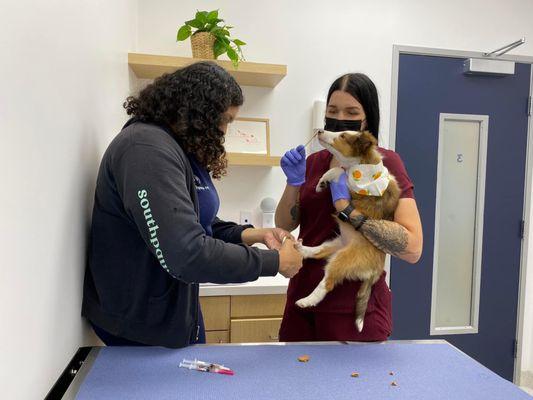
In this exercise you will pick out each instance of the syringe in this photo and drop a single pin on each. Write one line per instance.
(205, 367)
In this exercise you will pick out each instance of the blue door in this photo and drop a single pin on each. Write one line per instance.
(428, 88)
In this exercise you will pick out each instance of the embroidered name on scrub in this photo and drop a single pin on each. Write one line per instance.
(198, 184)
(368, 179)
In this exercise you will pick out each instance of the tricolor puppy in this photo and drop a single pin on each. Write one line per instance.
(375, 194)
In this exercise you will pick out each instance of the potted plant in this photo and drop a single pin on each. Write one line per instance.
(211, 37)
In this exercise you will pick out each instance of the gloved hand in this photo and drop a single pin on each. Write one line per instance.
(339, 189)
(293, 165)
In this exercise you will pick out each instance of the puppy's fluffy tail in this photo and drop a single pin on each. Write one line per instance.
(363, 295)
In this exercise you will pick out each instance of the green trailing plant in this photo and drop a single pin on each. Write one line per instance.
(209, 21)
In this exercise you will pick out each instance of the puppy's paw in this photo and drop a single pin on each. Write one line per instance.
(305, 302)
(321, 186)
(306, 251)
(359, 323)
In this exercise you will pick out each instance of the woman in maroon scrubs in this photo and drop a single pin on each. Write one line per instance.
(352, 104)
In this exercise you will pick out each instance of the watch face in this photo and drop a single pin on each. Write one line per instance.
(344, 215)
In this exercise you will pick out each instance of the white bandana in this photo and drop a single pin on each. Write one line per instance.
(368, 179)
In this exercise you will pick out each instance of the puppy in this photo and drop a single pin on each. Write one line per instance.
(375, 194)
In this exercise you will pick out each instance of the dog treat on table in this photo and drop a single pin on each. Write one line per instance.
(304, 358)
(355, 375)
(394, 383)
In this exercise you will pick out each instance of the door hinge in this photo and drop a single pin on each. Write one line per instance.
(529, 106)
(522, 228)
(515, 348)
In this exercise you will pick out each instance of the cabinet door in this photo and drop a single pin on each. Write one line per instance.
(269, 305)
(255, 330)
(216, 312)
(217, 336)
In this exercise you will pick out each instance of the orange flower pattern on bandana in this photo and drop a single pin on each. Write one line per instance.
(368, 179)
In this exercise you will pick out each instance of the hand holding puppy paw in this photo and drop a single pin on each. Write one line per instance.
(273, 237)
(290, 259)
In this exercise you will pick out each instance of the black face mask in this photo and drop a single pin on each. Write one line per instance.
(339, 125)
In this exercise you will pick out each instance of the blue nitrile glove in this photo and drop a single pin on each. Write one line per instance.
(339, 189)
(293, 165)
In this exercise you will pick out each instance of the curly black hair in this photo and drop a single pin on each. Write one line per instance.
(192, 102)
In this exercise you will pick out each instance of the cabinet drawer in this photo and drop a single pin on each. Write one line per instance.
(216, 312)
(255, 330)
(269, 305)
(217, 336)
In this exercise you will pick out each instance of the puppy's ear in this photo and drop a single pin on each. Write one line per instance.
(365, 141)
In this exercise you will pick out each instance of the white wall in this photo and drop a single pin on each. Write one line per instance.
(63, 77)
(321, 40)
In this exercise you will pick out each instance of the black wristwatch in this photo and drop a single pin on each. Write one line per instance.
(358, 221)
(344, 215)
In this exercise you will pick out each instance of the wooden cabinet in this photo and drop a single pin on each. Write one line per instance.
(255, 330)
(216, 312)
(242, 319)
(267, 305)
(217, 336)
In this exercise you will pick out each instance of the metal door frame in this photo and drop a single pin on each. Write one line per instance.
(397, 50)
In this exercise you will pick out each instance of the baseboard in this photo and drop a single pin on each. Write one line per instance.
(526, 379)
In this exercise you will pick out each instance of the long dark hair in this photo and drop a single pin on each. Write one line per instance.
(191, 101)
(364, 91)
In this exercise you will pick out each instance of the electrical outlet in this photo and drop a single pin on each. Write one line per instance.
(246, 218)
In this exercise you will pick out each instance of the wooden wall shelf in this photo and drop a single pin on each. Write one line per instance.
(256, 160)
(150, 66)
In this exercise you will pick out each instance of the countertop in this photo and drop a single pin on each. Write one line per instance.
(264, 285)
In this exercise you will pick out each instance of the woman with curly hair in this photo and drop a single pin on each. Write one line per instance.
(155, 235)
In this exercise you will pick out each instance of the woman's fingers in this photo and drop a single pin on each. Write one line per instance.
(296, 154)
(291, 158)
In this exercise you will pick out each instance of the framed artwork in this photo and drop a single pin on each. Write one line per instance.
(248, 136)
